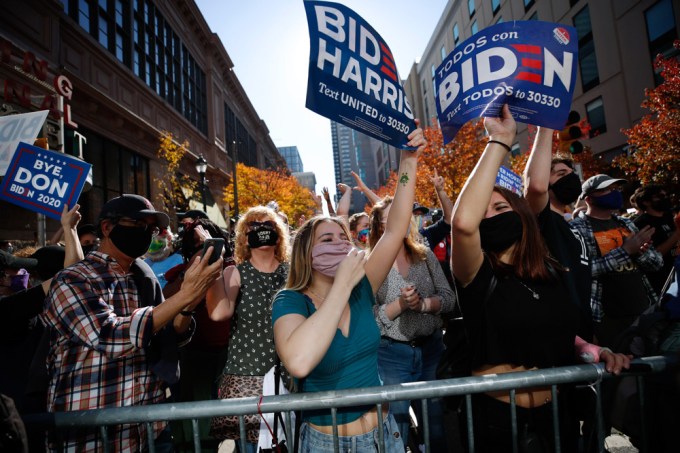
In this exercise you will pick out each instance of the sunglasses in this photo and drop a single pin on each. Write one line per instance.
(267, 225)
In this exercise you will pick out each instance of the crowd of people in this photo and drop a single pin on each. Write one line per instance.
(126, 313)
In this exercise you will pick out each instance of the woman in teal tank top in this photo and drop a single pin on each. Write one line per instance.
(324, 328)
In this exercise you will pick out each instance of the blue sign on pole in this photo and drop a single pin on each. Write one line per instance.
(509, 179)
(529, 65)
(43, 181)
(353, 78)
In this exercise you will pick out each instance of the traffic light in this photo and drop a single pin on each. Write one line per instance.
(569, 135)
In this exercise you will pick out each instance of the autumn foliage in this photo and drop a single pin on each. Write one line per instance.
(453, 162)
(655, 139)
(174, 189)
(259, 187)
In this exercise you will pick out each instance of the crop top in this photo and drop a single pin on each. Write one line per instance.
(350, 362)
(513, 326)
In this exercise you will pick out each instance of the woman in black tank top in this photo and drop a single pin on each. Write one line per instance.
(527, 321)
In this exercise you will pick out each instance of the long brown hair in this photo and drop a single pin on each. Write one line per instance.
(242, 250)
(415, 249)
(300, 273)
(530, 259)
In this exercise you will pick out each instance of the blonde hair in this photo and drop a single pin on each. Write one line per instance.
(415, 249)
(242, 250)
(300, 273)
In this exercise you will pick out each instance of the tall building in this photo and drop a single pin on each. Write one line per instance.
(618, 41)
(129, 70)
(306, 179)
(355, 152)
(292, 156)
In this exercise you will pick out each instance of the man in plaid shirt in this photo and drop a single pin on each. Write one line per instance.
(102, 330)
(619, 253)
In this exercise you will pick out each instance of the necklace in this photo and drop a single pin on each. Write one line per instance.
(321, 299)
(533, 293)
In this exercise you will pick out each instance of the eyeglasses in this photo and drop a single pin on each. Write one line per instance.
(153, 228)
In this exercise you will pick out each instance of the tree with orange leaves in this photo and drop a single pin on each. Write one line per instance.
(590, 163)
(655, 139)
(454, 162)
(259, 187)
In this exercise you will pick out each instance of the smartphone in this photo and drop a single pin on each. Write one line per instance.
(218, 246)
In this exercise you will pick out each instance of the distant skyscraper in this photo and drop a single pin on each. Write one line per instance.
(369, 158)
(292, 156)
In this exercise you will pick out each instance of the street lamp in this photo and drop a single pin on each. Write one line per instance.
(201, 167)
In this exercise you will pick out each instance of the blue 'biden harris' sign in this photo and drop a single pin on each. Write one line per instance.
(529, 65)
(352, 75)
(43, 181)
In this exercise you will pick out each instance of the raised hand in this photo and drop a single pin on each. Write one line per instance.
(70, 217)
(501, 128)
(437, 181)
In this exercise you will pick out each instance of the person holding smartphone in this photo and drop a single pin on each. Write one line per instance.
(261, 254)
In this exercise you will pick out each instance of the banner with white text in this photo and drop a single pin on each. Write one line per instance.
(23, 127)
(353, 78)
(509, 179)
(529, 65)
(43, 181)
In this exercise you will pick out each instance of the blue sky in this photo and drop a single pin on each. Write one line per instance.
(268, 42)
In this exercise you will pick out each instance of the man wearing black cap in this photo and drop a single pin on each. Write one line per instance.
(619, 254)
(104, 332)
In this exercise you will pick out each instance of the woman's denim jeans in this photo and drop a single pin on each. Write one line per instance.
(400, 363)
(313, 441)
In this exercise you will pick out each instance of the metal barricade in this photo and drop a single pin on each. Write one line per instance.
(591, 374)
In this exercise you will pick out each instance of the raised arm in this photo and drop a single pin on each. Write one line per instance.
(73, 250)
(470, 208)
(362, 187)
(537, 171)
(342, 209)
(444, 200)
(385, 251)
(329, 204)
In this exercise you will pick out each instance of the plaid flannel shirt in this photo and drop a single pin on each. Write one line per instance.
(650, 260)
(97, 357)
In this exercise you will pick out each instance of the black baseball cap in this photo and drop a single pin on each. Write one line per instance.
(192, 214)
(9, 261)
(419, 208)
(133, 206)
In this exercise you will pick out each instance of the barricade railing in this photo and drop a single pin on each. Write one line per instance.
(591, 374)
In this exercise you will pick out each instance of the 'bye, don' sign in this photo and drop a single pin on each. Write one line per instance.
(43, 181)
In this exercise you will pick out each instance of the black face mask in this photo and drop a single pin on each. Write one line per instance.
(662, 204)
(89, 248)
(499, 232)
(132, 241)
(567, 188)
(262, 237)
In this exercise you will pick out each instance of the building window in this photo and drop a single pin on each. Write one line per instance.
(443, 52)
(661, 31)
(471, 7)
(595, 113)
(495, 6)
(528, 4)
(474, 29)
(434, 87)
(236, 132)
(115, 170)
(157, 56)
(500, 20)
(456, 35)
(590, 76)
